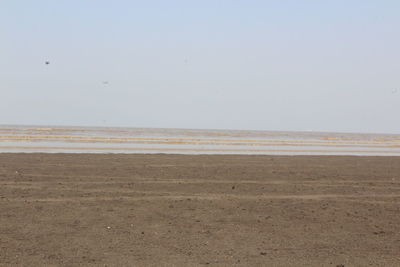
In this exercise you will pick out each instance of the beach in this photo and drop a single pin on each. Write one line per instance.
(199, 133)
(198, 210)
(57, 139)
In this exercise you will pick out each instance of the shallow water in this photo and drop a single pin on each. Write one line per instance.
(186, 141)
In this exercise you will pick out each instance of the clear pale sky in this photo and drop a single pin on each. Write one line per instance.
(262, 65)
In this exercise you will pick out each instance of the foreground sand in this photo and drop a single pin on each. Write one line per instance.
(175, 210)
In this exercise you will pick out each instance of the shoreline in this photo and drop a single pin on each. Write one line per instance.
(184, 141)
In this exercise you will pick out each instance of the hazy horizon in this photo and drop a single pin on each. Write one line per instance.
(195, 129)
(239, 65)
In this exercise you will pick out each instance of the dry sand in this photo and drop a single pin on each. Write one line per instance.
(181, 210)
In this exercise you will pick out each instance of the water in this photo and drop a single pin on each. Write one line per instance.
(186, 141)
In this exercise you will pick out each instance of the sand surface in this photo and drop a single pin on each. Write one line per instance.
(182, 210)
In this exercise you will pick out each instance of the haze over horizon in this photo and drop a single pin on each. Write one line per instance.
(246, 65)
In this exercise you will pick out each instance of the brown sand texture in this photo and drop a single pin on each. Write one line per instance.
(198, 210)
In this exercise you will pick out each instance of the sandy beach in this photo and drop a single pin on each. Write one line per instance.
(195, 210)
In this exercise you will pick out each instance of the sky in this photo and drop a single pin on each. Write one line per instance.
(212, 64)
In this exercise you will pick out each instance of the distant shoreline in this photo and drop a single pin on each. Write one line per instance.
(52, 139)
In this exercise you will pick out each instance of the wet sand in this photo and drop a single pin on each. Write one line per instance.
(195, 210)
(50, 139)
